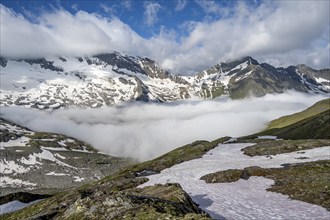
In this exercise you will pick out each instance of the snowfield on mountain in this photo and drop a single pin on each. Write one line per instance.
(109, 79)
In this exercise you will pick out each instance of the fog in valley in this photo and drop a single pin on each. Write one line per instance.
(147, 130)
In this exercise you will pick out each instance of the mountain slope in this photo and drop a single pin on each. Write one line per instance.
(118, 197)
(307, 124)
(47, 162)
(314, 127)
(108, 79)
(315, 109)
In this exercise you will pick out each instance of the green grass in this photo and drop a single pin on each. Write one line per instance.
(185, 153)
(283, 146)
(315, 109)
(314, 127)
(227, 176)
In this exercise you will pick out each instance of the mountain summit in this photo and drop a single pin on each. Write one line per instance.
(108, 79)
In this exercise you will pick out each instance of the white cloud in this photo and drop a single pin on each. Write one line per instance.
(127, 4)
(150, 13)
(209, 6)
(75, 7)
(107, 9)
(61, 33)
(280, 32)
(147, 130)
(180, 5)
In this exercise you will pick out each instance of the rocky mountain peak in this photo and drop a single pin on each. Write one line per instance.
(250, 60)
(110, 78)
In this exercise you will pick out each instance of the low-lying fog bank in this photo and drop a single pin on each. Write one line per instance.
(146, 130)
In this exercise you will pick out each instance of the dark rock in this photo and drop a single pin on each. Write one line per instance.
(62, 59)
(245, 174)
(3, 62)
(121, 62)
(145, 173)
(43, 64)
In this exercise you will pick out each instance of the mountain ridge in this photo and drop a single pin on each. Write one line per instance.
(110, 78)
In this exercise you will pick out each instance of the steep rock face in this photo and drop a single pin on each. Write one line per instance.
(108, 79)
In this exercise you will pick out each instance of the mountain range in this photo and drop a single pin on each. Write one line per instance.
(83, 183)
(112, 78)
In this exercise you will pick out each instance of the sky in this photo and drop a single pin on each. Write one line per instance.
(183, 36)
(147, 130)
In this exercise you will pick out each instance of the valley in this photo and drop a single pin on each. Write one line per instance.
(229, 178)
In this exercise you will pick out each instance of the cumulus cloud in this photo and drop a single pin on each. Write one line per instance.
(62, 33)
(280, 32)
(147, 130)
(150, 13)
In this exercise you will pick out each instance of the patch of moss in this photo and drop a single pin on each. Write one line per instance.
(283, 146)
(231, 175)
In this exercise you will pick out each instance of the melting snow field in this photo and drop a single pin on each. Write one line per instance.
(14, 206)
(244, 199)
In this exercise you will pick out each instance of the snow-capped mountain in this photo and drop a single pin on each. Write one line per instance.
(108, 79)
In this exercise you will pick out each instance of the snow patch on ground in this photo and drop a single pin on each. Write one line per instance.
(242, 199)
(60, 156)
(47, 155)
(10, 167)
(19, 142)
(8, 181)
(55, 148)
(78, 179)
(35, 158)
(56, 174)
(321, 80)
(267, 137)
(15, 206)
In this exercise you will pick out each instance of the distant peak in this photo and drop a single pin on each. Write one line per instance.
(250, 60)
